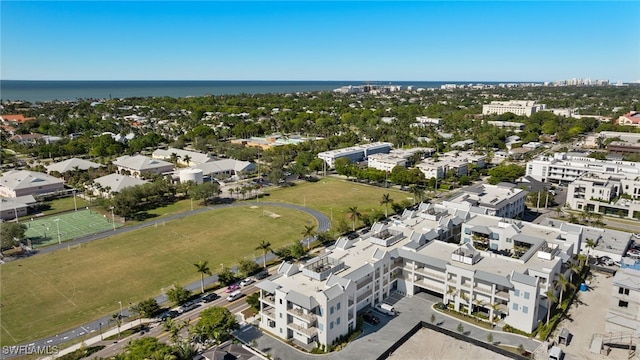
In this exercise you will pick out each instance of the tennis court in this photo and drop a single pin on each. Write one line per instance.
(43, 231)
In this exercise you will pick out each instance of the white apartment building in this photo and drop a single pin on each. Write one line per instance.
(396, 157)
(355, 153)
(563, 168)
(428, 120)
(501, 268)
(458, 161)
(511, 124)
(624, 310)
(502, 200)
(518, 107)
(609, 194)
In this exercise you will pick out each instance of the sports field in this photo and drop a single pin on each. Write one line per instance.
(43, 231)
(49, 293)
(334, 197)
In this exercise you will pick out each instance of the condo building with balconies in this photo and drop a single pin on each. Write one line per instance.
(563, 168)
(475, 263)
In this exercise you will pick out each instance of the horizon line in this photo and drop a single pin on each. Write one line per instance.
(298, 80)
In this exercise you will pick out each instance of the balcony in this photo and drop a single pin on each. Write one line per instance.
(503, 294)
(308, 317)
(363, 296)
(269, 299)
(365, 283)
(483, 289)
(309, 332)
(270, 313)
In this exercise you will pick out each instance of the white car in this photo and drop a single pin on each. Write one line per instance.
(247, 281)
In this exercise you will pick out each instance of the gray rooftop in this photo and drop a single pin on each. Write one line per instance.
(523, 279)
(72, 164)
(23, 179)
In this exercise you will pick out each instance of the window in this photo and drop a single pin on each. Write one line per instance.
(495, 236)
(525, 309)
(526, 295)
(319, 311)
(515, 306)
(509, 240)
(331, 310)
(331, 325)
(516, 292)
(467, 231)
(280, 315)
(320, 326)
(338, 306)
(338, 321)
(623, 303)
(624, 291)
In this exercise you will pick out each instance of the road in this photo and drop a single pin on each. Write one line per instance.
(94, 327)
(156, 329)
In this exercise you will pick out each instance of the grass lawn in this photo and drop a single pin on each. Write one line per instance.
(62, 205)
(49, 293)
(335, 196)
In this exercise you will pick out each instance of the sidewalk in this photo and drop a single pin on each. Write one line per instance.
(100, 338)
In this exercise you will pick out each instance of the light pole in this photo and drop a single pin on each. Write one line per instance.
(304, 197)
(57, 221)
(331, 214)
(221, 266)
(120, 302)
(75, 205)
(100, 324)
(113, 218)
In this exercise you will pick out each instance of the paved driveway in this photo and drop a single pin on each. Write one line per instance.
(377, 339)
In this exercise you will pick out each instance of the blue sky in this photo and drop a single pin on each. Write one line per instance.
(313, 40)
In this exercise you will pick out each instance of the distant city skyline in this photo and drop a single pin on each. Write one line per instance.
(476, 41)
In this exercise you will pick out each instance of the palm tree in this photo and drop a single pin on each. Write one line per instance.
(174, 158)
(203, 268)
(386, 200)
(186, 159)
(494, 308)
(309, 232)
(575, 269)
(117, 318)
(590, 244)
(355, 215)
(418, 193)
(551, 298)
(564, 284)
(265, 246)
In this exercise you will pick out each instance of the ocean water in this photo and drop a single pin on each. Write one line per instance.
(34, 91)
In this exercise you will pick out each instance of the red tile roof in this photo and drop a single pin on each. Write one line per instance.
(19, 118)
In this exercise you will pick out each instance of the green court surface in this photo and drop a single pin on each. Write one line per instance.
(43, 231)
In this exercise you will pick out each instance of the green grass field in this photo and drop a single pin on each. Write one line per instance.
(43, 231)
(335, 196)
(50, 293)
(64, 204)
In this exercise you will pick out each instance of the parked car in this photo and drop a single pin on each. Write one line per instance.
(187, 307)
(386, 309)
(606, 260)
(168, 315)
(247, 281)
(232, 288)
(262, 275)
(369, 318)
(210, 297)
(235, 296)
